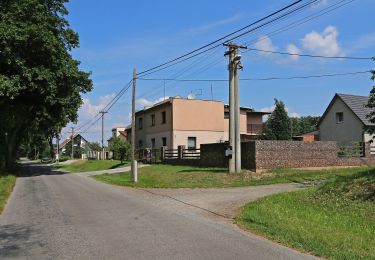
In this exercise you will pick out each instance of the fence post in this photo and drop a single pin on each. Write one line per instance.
(366, 146)
(162, 153)
(181, 149)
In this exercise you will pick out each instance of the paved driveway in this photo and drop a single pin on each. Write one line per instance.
(68, 216)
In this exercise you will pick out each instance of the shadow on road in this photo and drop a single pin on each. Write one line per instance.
(32, 170)
(15, 240)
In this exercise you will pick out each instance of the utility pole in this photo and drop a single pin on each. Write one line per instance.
(103, 112)
(72, 140)
(134, 162)
(57, 147)
(234, 106)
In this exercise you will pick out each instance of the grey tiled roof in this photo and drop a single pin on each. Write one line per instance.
(357, 105)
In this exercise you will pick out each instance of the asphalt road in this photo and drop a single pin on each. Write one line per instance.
(52, 215)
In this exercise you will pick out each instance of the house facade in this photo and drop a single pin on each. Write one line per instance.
(344, 120)
(120, 132)
(191, 122)
(79, 141)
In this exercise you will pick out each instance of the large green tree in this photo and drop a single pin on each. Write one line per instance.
(40, 82)
(278, 126)
(120, 149)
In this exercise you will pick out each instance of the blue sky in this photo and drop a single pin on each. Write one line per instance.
(118, 35)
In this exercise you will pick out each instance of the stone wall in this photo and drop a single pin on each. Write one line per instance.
(262, 154)
(294, 154)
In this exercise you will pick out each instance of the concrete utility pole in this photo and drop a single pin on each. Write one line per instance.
(57, 147)
(134, 162)
(103, 112)
(72, 141)
(234, 107)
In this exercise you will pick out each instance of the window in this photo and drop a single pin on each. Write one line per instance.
(140, 144)
(164, 140)
(163, 117)
(152, 143)
(192, 143)
(140, 123)
(339, 117)
(153, 120)
(226, 114)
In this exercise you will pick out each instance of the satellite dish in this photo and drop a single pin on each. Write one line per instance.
(191, 96)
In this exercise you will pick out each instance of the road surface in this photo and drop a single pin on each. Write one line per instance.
(53, 215)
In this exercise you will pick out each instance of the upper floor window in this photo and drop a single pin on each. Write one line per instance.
(339, 117)
(163, 117)
(140, 123)
(153, 120)
(226, 114)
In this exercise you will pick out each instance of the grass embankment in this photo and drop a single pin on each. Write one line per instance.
(335, 220)
(168, 176)
(7, 183)
(92, 165)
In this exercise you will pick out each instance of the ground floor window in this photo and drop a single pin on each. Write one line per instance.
(140, 144)
(192, 143)
(153, 143)
(164, 140)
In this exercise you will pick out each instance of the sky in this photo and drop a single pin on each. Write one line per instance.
(117, 35)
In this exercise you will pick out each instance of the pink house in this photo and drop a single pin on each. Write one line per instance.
(191, 122)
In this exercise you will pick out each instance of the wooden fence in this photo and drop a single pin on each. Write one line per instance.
(180, 153)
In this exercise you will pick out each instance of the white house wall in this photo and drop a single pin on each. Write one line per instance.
(350, 130)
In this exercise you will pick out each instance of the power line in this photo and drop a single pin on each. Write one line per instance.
(203, 49)
(311, 56)
(261, 79)
(109, 105)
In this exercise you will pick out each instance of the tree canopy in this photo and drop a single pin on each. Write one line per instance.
(278, 126)
(304, 124)
(120, 149)
(40, 82)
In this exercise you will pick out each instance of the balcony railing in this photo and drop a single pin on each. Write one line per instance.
(255, 128)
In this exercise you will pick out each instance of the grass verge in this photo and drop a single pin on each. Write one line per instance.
(7, 183)
(168, 176)
(335, 220)
(92, 165)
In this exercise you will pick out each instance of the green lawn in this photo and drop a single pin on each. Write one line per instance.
(335, 220)
(168, 176)
(92, 165)
(6, 186)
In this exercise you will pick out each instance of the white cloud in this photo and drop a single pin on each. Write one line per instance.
(324, 43)
(272, 108)
(294, 114)
(291, 48)
(146, 103)
(89, 110)
(210, 26)
(265, 43)
(267, 109)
